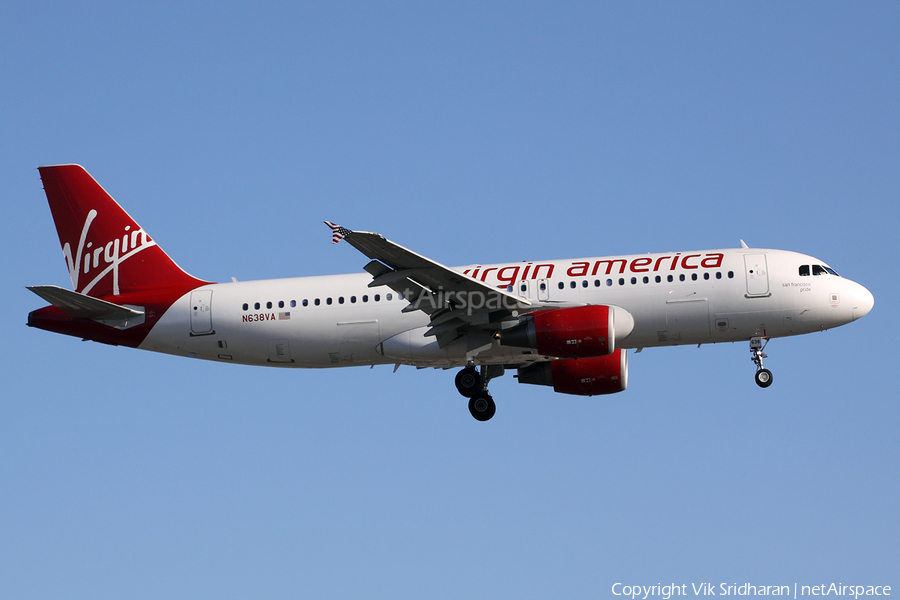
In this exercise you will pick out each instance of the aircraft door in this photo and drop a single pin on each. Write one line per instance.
(201, 312)
(757, 275)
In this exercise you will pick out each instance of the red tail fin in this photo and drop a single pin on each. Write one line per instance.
(106, 252)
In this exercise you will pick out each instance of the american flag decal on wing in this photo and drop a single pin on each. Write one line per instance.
(337, 232)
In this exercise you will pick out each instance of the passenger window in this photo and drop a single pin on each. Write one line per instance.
(658, 279)
(305, 302)
(730, 274)
(804, 270)
(681, 277)
(268, 305)
(365, 298)
(256, 306)
(706, 276)
(246, 306)
(328, 301)
(387, 297)
(670, 279)
(352, 299)
(562, 285)
(341, 300)
(633, 280)
(281, 304)
(718, 274)
(693, 277)
(317, 302)
(293, 303)
(523, 288)
(609, 282)
(584, 283)
(543, 287)
(621, 281)
(377, 297)
(572, 284)
(646, 279)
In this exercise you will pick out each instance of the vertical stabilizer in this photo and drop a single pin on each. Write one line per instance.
(106, 251)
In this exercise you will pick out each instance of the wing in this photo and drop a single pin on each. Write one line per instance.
(458, 305)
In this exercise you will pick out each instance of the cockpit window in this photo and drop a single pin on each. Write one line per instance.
(823, 270)
(804, 270)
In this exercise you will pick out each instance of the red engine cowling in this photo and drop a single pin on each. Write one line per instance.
(582, 377)
(577, 332)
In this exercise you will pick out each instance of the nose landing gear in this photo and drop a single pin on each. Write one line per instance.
(473, 385)
(763, 376)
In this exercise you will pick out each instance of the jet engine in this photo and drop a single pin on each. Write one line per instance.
(582, 377)
(576, 332)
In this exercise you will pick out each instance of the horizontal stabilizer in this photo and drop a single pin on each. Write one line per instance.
(81, 306)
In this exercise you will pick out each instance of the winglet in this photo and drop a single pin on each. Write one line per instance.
(337, 232)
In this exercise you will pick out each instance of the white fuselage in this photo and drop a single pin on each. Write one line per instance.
(675, 298)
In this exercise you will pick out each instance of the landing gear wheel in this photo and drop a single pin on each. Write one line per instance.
(482, 406)
(469, 382)
(763, 378)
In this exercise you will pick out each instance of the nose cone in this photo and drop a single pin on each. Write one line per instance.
(863, 301)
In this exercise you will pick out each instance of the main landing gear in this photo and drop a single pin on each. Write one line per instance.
(473, 385)
(763, 376)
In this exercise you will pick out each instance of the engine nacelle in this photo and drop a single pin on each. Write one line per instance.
(577, 332)
(582, 377)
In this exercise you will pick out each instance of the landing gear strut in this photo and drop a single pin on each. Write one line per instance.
(763, 376)
(473, 385)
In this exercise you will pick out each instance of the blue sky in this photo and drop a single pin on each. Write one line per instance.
(470, 132)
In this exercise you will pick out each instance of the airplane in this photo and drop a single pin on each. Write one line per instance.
(567, 324)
